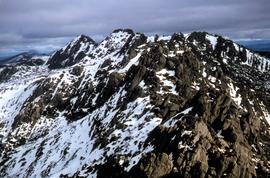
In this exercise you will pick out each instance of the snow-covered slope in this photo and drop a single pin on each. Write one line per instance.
(137, 106)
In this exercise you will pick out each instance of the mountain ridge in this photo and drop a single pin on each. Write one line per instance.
(22, 57)
(138, 106)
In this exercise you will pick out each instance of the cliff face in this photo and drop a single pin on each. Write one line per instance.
(137, 106)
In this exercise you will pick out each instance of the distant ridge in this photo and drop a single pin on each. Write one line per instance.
(24, 56)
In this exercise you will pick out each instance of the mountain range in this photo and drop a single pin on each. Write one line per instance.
(194, 105)
(23, 57)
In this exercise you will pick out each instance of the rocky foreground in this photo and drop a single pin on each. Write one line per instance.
(194, 105)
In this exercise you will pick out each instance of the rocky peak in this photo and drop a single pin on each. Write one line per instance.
(198, 36)
(226, 51)
(138, 106)
(116, 44)
(72, 53)
(82, 41)
(118, 38)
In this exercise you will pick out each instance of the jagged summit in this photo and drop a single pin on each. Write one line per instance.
(73, 52)
(133, 105)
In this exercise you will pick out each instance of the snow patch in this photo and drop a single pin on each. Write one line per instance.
(234, 94)
(212, 39)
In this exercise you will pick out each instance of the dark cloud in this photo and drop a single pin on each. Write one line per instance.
(39, 23)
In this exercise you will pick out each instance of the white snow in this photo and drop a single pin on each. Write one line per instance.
(186, 132)
(195, 85)
(142, 84)
(212, 79)
(186, 35)
(266, 114)
(249, 59)
(234, 94)
(15, 91)
(183, 146)
(11, 101)
(204, 74)
(163, 77)
(172, 121)
(150, 39)
(164, 38)
(180, 52)
(164, 72)
(252, 57)
(219, 134)
(212, 39)
(133, 61)
(171, 54)
(186, 111)
(236, 46)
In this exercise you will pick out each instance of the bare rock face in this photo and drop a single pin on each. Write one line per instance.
(140, 107)
(153, 165)
(7, 72)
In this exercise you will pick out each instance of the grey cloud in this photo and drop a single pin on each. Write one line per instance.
(39, 21)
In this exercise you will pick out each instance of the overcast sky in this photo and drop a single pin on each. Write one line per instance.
(45, 25)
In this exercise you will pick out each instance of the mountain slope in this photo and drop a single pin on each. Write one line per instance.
(137, 106)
